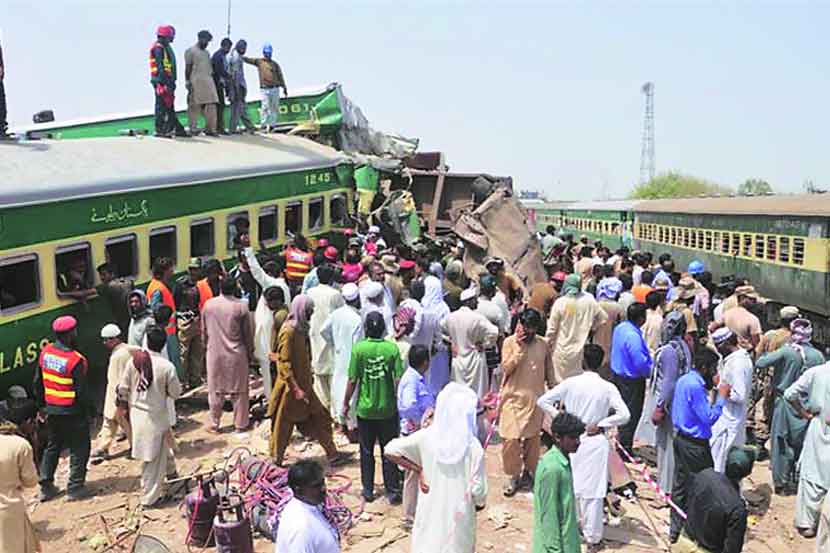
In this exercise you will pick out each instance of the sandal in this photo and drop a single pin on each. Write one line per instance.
(340, 459)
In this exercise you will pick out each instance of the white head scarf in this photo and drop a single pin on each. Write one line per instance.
(454, 426)
(433, 293)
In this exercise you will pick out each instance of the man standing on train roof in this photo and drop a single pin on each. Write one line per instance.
(201, 91)
(238, 88)
(63, 393)
(163, 79)
(270, 82)
(4, 124)
(221, 78)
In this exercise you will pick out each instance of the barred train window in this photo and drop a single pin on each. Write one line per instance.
(759, 246)
(724, 245)
(708, 240)
(736, 243)
(163, 243)
(700, 239)
(686, 237)
(268, 227)
(772, 247)
(784, 250)
(747, 247)
(715, 244)
(19, 283)
(122, 253)
(73, 267)
(694, 240)
(798, 251)
(201, 237)
(673, 236)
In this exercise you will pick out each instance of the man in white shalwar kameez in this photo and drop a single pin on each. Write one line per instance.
(147, 384)
(263, 316)
(470, 333)
(303, 524)
(341, 331)
(810, 397)
(436, 311)
(590, 398)
(326, 299)
(453, 474)
(736, 370)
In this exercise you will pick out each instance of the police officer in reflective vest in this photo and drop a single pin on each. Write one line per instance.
(298, 260)
(63, 394)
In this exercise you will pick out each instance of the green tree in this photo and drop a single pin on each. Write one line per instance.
(754, 187)
(676, 185)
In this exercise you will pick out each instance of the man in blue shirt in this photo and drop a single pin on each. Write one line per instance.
(415, 403)
(631, 365)
(693, 417)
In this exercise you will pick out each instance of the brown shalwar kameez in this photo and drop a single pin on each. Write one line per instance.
(526, 368)
(285, 410)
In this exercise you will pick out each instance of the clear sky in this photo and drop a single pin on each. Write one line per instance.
(548, 92)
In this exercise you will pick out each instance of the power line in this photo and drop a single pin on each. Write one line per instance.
(647, 152)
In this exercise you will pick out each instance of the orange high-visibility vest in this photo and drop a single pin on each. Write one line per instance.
(166, 298)
(57, 367)
(297, 264)
(205, 292)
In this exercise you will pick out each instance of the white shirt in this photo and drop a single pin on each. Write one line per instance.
(590, 398)
(304, 529)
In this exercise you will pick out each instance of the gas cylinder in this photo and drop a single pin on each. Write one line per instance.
(231, 528)
(201, 509)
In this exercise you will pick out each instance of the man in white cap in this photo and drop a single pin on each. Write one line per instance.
(736, 370)
(373, 237)
(342, 329)
(326, 299)
(375, 296)
(469, 334)
(120, 354)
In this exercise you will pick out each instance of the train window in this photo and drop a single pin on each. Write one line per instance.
(707, 241)
(784, 250)
(798, 251)
(163, 243)
(19, 283)
(736, 243)
(122, 253)
(724, 243)
(759, 246)
(238, 224)
(772, 248)
(340, 212)
(294, 217)
(747, 247)
(73, 268)
(673, 236)
(686, 237)
(700, 242)
(714, 244)
(693, 241)
(315, 214)
(202, 242)
(268, 228)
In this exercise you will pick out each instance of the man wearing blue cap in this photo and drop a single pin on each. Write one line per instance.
(270, 81)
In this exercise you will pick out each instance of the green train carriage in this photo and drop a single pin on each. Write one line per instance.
(610, 222)
(128, 200)
(781, 243)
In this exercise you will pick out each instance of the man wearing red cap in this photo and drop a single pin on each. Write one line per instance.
(163, 79)
(63, 395)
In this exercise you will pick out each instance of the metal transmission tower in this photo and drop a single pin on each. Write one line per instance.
(647, 154)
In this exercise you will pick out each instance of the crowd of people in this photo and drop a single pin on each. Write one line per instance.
(399, 349)
(210, 80)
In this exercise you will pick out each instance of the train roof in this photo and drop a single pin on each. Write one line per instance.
(816, 205)
(602, 205)
(54, 170)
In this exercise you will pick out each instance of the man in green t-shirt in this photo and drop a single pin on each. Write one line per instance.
(375, 369)
(555, 526)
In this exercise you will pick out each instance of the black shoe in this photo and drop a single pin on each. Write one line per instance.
(368, 497)
(394, 498)
(78, 494)
(47, 492)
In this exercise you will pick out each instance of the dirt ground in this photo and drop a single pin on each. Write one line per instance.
(504, 526)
